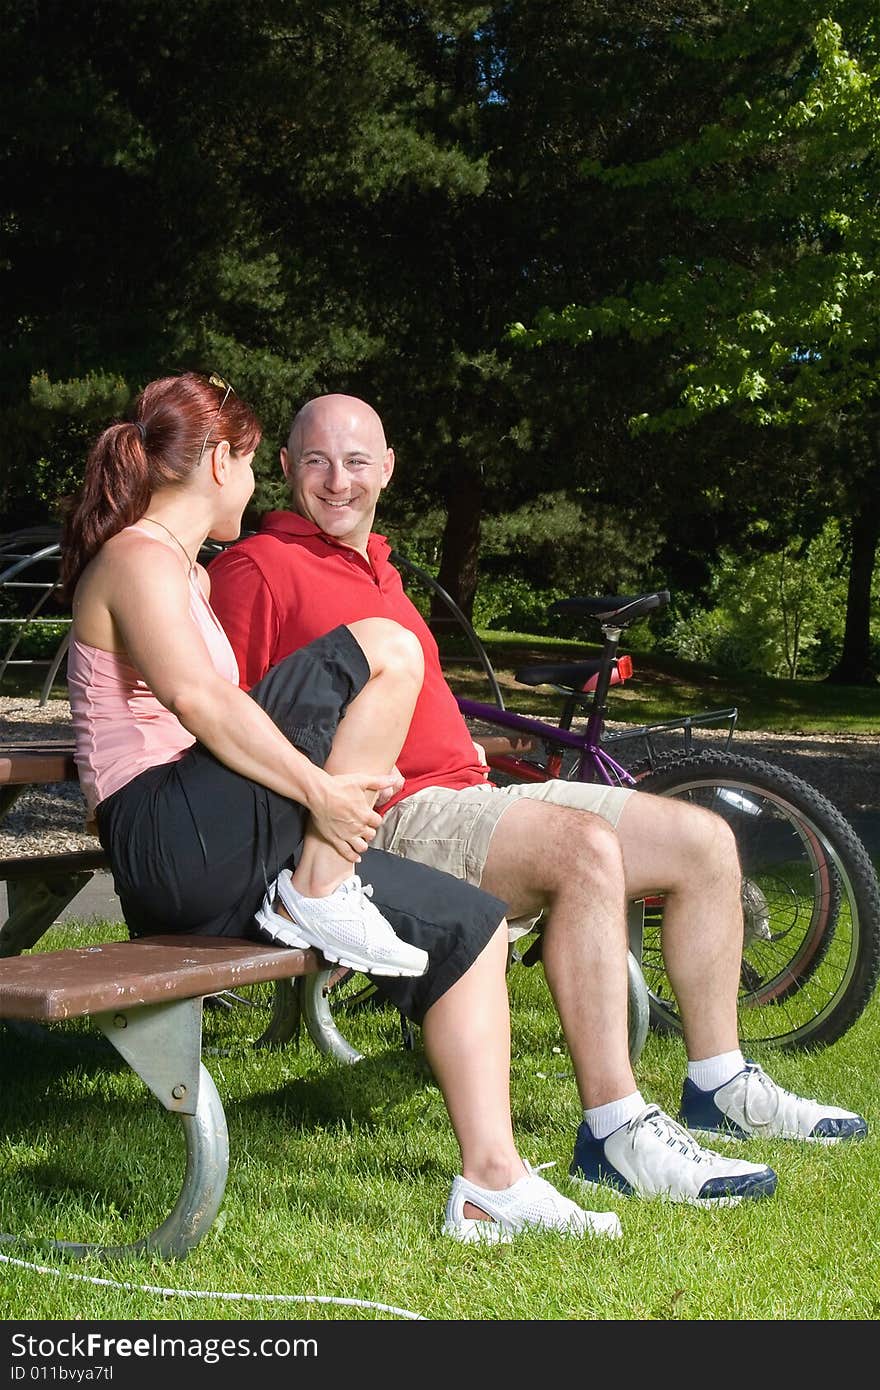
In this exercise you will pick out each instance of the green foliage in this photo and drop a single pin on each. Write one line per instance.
(774, 312)
(573, 542)
(512, 604)
(361, 198)
(774, 613)
(38, 640)
(223, 207)
(752, 299)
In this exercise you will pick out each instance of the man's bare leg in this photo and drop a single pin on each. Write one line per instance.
(690, 856)
(569, 863)
(572, 862)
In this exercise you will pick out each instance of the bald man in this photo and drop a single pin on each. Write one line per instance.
(571, 852)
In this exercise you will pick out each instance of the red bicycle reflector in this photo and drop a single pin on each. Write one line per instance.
(623, 669)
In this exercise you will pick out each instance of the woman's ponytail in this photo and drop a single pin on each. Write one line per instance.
(115, 493)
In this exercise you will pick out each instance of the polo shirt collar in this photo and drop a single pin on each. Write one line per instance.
(292, 524)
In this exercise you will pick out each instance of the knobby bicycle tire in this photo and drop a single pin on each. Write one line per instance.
(811, 953)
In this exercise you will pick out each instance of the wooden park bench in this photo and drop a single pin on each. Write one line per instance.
(39, 887)
(145, 995)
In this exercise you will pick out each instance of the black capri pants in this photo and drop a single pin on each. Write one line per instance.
(194, 846)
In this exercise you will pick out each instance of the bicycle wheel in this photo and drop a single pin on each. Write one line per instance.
(263, 1015)
(346, 1016)
(811, 902)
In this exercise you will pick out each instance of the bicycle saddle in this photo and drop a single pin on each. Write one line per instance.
(619, 609)
(573, 675)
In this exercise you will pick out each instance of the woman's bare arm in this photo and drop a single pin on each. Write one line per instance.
(137, 597)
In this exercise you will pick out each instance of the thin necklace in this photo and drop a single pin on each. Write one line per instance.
(190, 564)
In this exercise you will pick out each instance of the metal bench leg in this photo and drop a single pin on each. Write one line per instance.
(34, 904)
(284, 1023)
(162, 1043)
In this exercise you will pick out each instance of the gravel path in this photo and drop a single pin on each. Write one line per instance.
(43, 820)
(846, 767)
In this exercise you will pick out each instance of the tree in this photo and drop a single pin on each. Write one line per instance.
(766, 304)
(326, 199)
(183, 183)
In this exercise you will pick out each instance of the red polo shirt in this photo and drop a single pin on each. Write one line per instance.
(280, 589)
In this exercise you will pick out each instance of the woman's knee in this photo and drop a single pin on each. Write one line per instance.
(484, 978)
(390, 649)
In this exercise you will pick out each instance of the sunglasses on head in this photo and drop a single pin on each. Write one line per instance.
(215, 379)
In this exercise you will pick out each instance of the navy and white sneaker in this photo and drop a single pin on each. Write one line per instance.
(752, 1106)
(652, 1156)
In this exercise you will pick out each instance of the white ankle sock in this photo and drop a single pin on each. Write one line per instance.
(605, 1119)
(712, 1072)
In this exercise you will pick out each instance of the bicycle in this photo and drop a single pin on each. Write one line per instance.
(811, 899)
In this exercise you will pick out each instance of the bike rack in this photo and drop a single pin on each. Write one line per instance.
(26, 549)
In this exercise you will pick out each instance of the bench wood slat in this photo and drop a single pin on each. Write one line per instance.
(21, 763)
(49, 986)
(49, 866)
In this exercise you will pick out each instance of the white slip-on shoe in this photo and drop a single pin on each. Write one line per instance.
(531, 1203)
(652, 1156)
(752, 1106)
(344, 926)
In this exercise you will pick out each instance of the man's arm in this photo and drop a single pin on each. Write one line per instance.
(244, 606)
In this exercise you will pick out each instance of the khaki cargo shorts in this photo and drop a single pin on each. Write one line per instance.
(451, 830)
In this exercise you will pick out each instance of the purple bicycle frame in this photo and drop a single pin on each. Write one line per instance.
(594, 764)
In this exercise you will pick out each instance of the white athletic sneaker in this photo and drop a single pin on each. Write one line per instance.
(530, 1202)
(752, 1106)
(344, 926)
(652, 1156)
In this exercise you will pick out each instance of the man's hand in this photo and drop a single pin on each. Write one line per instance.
(511, 745)
(343, 814)
(397, 785)
(481, 756)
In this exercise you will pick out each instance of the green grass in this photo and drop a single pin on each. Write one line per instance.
(338, 1178)
(664, 688)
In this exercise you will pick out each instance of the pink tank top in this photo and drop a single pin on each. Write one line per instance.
(119, 726)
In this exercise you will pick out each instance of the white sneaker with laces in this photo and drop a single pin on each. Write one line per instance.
(344, 926)
(530, 1203)
(753, 1106)
(652, 1156)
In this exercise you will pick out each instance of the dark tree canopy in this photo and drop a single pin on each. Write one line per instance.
(680, 203)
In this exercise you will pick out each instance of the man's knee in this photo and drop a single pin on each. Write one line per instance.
(709, 840)
(596, 848)
(573, 848)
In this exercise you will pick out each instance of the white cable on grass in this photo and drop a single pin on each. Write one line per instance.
(209, 1293)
